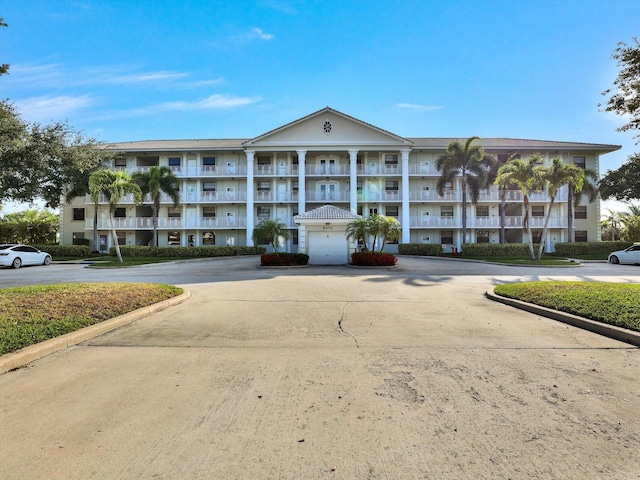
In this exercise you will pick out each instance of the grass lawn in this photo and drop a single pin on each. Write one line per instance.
(131, 261)
(612, 303)
(30, 315)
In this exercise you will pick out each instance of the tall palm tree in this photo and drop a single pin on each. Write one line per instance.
(464, 161)
(270, 231)
(389, 229)
(589, 188)
(526, 176)
(612, 222)
(493, 164)
(555, 176)
(114, 185)
(155, 182)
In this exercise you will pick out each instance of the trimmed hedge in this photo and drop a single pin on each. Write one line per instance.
(283, 259)
(65, 250)
(377, 259)
(185, 252)
(586, 248)
(421, 249)
(496, 249)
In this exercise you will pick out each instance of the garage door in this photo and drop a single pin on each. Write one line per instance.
(327, 248)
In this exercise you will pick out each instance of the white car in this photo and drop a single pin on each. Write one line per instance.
(12, 255)
(630, 255)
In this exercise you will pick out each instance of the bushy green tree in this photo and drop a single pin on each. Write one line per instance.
(380, 228)
(30, 226)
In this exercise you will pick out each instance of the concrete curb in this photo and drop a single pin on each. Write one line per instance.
(10, 361)
(611, 331)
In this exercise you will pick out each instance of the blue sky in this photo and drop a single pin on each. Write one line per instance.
(133, 70)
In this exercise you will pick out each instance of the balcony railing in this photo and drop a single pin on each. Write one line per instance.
(327, 196)
(144, 223)
(483, 222)
(385, 196)
(327, 170)
(432, 195)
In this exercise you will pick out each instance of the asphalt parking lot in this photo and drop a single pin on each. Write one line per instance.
(327, 372)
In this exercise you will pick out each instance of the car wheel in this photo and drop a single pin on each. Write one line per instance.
(614, 259)
(47, 260)
(17, 263)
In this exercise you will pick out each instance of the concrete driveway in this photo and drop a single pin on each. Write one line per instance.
(327, 372)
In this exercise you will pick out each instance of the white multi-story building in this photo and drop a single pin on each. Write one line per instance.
(327, 158)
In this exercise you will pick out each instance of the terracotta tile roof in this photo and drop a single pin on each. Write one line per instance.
(327, 212)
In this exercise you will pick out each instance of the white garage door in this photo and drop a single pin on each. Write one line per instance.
(328, 248)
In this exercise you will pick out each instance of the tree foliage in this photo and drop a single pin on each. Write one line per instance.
(4, 67)
(154, 182)
(270, 231)
(623, 183)
(29, 226)
(42, 161)
(114, 185)
(468, 162)
(380, 228)
(624, 99)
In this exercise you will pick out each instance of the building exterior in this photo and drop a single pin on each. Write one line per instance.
(327, 158)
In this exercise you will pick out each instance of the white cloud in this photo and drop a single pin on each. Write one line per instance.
(213, 102)
(422, 108)
(258, 33)
(43, 109)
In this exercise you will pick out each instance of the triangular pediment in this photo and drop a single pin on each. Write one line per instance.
(328, 128)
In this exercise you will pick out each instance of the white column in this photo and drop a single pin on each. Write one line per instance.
(353, 181)
(406, 211)
(302, 191)
(250, 222)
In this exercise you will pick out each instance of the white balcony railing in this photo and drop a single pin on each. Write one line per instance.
(327, 196)
(143, 223)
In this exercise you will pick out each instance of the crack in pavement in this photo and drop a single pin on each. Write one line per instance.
(342, 319)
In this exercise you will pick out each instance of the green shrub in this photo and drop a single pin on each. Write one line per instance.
(65, 250)
(496, 249)
(185, 252)
(377, 259)
(421, 249)
(283, 259)
(587, 248)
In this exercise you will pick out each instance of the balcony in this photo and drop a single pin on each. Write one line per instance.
(432, 196)
(146, 223)
(435, 222)
(327, 170)
(327, 196)
(384, 196)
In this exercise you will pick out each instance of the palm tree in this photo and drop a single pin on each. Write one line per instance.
(631, 223)
(465, 161)
(493, 164)
(358, 230)
(589, 188)
(526, 177)
(389, 229)
(555, 176)
(155, 182)
(114, 185)
(612, 224)
(270, 231)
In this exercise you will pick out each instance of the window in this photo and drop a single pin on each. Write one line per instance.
(122, 239)
(264, 186)
(580, 212)
(174, 161)
(446, 236)
(294, 187)
(391, 162)
(446, 211)
(359, 187)
(78, 213)
(173, 238)
(209, 212)
(482, 210)
(537, 236)
(482, 236)
(580, 162)
(78, 238)
(391, 186)
(174, 212)
(120, 213)
(294, 237)
(208, 238)
(209, 161)
(264, 212)
(391, 211)
(581, 236)
(208, 186)
(537, 211)
(120, 163)
(264, 160)
(230, 241)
